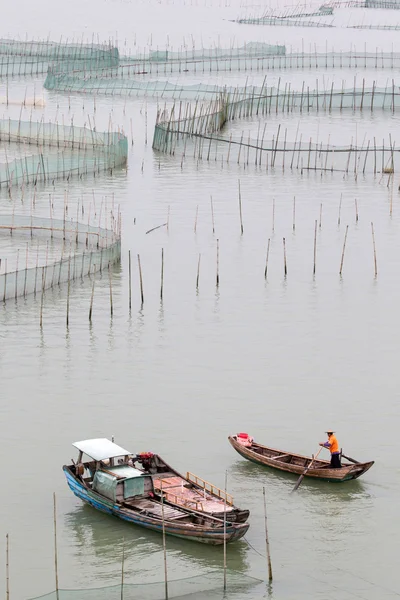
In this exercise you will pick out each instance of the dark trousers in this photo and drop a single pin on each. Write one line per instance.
(335, 461)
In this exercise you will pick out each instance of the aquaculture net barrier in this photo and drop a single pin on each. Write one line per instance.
(77, 151)
(85, 249)
(19, 58)
(191, 588)
(128, 79)
(199, 132)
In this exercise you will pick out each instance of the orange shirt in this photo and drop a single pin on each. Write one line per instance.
(333, 444)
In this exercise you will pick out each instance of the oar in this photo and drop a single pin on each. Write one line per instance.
(300, 479)
(356, 462)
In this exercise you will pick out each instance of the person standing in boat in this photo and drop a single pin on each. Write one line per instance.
(333, 446)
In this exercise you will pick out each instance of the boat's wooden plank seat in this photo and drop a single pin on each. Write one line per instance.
(280, 456)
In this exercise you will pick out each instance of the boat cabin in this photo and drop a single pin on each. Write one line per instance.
(110, 471)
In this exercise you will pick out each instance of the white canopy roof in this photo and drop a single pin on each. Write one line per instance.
(100, 449)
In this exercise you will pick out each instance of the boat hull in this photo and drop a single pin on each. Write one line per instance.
(203, 534)
(263, 455)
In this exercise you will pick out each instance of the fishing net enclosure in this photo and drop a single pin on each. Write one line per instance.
(77, 151)
(194, 588)
(84, 250)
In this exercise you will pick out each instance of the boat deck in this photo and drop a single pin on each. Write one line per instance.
(178, 491)
(156, 509)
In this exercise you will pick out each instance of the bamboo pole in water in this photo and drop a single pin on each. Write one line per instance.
(266, 261)
(320, 216)
(164, 545)
(42, 300)
(111, 296)
(284, 257)
(217, 277)
(226, 485)
(294, 213)
(140, 279)
(130, 280)
(315, 247)
(344, 248)
(92, 296)
(195, 221)
(240, 210)
(356, 206)
(212, 215)
(55, 542)
(198, 273)
(69, 285)
(122, 568)
(373, 243)
(162, 274)
(7, 568)
(267, 539)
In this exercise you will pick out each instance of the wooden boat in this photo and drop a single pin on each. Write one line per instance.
(295, 463)
(190, 491)
(110, 483)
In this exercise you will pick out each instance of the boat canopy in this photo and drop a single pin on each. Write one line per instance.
(100, 449)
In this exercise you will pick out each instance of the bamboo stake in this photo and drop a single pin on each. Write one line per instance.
(315, 246)
(195, 221)
(162, 274)
(42, 300)
(140, 279)
(267, 539)
(355, 201)
(7, 568)
(226, 482)
(273, 215)
(164, 545)
(91, 297)
(212, 215)
(320, 215)
(294, 213)
(240, 210)
(344, 248)
(55, 543)
(373, 243)
(217, 278)
(69, 285)
(198, 273)
(284, 257)
(111, 296)
(122, 568)
(266, 261)
(130, 280)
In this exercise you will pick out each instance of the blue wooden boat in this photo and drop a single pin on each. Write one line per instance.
(109, 482)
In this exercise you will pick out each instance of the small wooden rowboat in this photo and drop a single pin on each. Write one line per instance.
(191, 491)
(110, 483)
(295, 463)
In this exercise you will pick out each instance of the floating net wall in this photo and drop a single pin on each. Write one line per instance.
(31, 58)
(272, 22)
(85, 249)
(125, 80)
(202, 126)
(190, 587)
(84, 151)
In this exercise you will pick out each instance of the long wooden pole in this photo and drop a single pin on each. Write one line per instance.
(240, 210)
(300, 479)
(373, 243)
(140, 279)
(7, 568)
(212, 215)
(122, 568)
(284, 257)
(55, 542)
(217, 277)
(226, 485)
(92, 297)
(198, 273)
(111, 296)
(162, 274)
(267, 539)
(266, 261)
(315, 247)
(130, 280)
(344, 248)
(164, 545)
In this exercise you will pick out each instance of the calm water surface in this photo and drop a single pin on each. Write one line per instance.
(282, 359)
